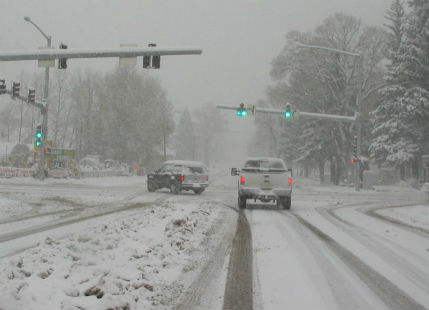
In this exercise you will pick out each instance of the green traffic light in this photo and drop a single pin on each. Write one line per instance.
(242, 113)
(38, 143)
(288, 114)
(39, 135)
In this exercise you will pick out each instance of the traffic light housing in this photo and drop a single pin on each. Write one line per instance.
(156, 62)
(16, 86)
(146, 62)
(288, 113)
(2, 87)
(152, 62)
(39, 136)
(31, 95)
(62, 62)
(242, 111)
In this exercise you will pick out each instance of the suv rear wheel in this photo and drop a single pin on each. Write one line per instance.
(151, 187)
(242, 202)
(174, 188)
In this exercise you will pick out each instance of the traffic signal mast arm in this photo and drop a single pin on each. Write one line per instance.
(340, 118)
(53, 54)
(36, 104)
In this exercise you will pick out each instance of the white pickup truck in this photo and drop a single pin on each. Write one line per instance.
(266, 179)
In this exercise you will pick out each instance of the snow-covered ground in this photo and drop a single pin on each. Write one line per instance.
(132, 262)
(142, 257)
(417, 215)
(107, 243)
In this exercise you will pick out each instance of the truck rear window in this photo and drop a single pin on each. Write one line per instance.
(264, 164)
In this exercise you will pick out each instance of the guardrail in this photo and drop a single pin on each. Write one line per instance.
(9, 172)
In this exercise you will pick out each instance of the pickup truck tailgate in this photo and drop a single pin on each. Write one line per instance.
(266, 179)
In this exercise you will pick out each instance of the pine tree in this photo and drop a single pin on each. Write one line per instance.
(400, 131)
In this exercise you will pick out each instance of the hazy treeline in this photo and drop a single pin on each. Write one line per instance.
(123, 115)
(200, 135)
(395, 127)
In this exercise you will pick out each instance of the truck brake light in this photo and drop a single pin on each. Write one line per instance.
(242, 180)
(290, 181)
(182, 178)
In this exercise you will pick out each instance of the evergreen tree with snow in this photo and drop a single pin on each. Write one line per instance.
(401, 119)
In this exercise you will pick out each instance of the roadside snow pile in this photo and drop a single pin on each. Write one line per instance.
(133, 263)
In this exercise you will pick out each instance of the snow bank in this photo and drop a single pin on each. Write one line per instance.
(132, 263)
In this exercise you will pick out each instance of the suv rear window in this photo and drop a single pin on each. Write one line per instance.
(189, 170)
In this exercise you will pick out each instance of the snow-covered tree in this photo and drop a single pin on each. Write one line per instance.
(401, 119)
(325, 82)
(209, 128)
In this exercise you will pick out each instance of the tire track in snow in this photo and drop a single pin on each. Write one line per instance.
(388, 292)
(239, 283)
(346, 294)
(396, 260)
(58, 223)
(193, 296)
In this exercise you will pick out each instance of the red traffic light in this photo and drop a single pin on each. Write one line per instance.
(353, 160)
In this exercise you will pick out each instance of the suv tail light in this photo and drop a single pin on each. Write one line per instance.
(290, 181)
(182, 178)
(242, 180)
(207, 178)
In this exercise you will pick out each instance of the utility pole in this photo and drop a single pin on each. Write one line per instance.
(46, 101)
(359, 125)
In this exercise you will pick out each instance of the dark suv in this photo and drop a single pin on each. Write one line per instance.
(178, 175)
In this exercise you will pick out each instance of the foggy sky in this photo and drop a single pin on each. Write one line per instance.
(239, 38)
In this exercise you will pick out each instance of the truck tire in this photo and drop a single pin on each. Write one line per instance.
(150, 187)
(242, 202)
(285, 202)
(174, 188)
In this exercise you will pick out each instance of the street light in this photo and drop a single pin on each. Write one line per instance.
(358, 100)
(45, 98)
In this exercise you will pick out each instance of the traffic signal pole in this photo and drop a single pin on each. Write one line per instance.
(45, 119)
(356, 119)
(298, 114)
(359, 124)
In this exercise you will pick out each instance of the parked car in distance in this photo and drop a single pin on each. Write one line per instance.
(179, 175)
(265, 179)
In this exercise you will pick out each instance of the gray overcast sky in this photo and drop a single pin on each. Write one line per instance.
(239, 38)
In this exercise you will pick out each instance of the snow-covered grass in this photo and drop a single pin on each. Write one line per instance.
(133, 263)
(414, 215)
(10, 208)
(101, 182)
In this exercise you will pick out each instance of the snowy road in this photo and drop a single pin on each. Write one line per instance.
(109, 243)
(336, 252)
